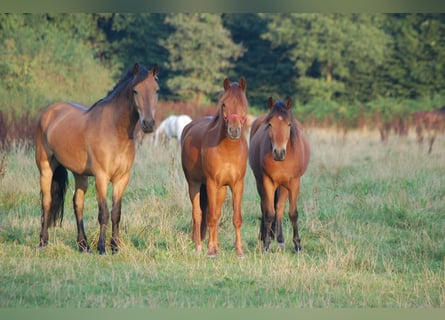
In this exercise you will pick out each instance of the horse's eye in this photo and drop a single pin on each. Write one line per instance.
(289, 125)
(135, 92)
(269, 126)
(223, 106)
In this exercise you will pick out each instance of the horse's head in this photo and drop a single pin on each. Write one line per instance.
(233, 105)
(279, 124)
(145, 94)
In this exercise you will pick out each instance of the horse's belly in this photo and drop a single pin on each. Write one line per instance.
(77, 162)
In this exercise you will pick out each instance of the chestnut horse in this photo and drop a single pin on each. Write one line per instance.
(214, 155)
(93, 142)
(278, 156)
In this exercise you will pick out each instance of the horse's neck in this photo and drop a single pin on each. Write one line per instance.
(121, 114)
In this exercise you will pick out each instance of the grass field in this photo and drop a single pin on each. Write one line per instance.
(372, 224)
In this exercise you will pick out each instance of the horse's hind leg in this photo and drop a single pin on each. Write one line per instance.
(46, 175)
(118, 191)
(197, 215)
(431, 142)
(81, 185)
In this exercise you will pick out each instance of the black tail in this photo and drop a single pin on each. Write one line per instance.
(59, 184)
(204, 204)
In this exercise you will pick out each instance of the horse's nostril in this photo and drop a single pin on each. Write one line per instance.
(148, 125)
(279, 154)
(234, 132)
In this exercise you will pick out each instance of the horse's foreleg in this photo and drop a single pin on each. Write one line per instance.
(293, 214)
(216, 196)
(103, 215)
(81, 185)
(237, 193)
(118, 191)
(268, 213)
(279, 209)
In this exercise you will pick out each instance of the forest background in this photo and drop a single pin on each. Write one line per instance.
(347, 70)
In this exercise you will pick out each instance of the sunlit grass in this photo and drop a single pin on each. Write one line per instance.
(372, 222)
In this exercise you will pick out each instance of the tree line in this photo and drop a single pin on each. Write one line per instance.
(336, 67)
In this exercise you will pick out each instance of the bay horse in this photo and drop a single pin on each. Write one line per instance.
(96, 141)
(214, 155)
(278, 156)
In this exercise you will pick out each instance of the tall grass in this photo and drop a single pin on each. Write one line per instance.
(372, 223)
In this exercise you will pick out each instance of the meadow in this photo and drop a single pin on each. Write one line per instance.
(372, 224)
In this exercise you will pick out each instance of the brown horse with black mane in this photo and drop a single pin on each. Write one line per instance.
(278, 156)
(214, 155)
(93, 142)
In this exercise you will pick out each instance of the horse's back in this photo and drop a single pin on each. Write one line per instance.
(305, 148)
(256, 124)
(60, 114)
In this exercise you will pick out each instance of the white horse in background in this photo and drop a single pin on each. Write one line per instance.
(171, 128)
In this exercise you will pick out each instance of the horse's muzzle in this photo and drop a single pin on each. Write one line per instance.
(279, 154)
(234, 132)
(148, 126)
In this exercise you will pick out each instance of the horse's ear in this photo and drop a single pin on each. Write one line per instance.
(270, 103)
(136, 68)
(288, 103)
(242, 83)
(226, 84)
(155, 69)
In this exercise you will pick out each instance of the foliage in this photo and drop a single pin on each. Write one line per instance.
(42, 64)
(332, 53)
(353, 67)
(200, 54)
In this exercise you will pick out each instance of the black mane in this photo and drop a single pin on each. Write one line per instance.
(127, 81)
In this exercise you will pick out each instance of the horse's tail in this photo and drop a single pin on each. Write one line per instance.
(59, 184)
(204, 204)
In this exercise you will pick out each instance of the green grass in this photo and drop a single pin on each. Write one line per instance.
(372, 224)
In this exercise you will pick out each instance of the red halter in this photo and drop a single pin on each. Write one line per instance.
(235, 116)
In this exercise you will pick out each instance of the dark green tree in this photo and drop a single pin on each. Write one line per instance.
(201, 53)
(334, 54)
(267, 68)
(135, 38)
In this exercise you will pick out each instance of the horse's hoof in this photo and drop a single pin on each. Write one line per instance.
(42, 244)
(211, 253)
(298, 249)
(280, 245)
(85, 250)
(83, 247)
